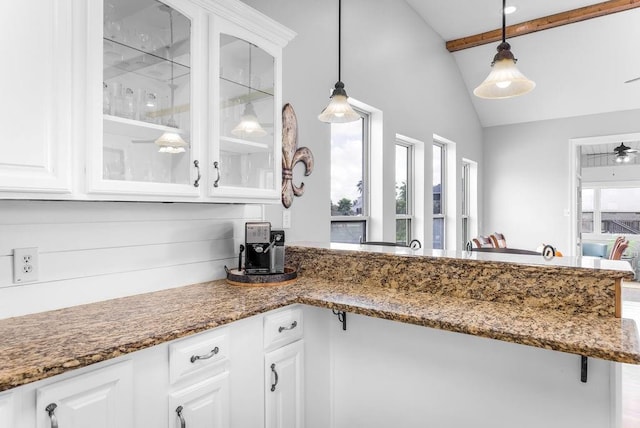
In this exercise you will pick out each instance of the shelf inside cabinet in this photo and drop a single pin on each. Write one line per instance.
(120, 58)
(136, 129)
(237, 145)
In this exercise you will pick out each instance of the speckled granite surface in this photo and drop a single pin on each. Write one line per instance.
(571, 289)
(37, 346)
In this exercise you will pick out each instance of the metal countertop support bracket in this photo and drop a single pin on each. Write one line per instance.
(342, 317)
(583, 369)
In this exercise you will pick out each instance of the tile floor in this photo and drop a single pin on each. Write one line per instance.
(631, 373)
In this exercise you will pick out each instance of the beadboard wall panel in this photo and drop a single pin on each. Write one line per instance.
(91, 251)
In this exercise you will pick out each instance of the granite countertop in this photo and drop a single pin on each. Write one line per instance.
(41, 345)
(564, 306)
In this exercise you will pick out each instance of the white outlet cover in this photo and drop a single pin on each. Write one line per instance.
(25, 265)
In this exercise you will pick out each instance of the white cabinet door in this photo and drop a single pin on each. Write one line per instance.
(245, 160)
(147, 98)
(284, 387)
(201, 405)
(36, 86)
(7, 413)
(102, 398)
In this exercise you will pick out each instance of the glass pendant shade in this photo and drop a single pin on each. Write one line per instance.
(339, 110)
(504, 81)
(171, 142)
(249, 125)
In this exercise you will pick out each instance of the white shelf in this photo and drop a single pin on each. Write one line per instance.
(136, 129)
(237, 145)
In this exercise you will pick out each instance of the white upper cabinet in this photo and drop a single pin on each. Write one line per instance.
(147, 96)
(37, 93)
(141, 100)
(245, 159)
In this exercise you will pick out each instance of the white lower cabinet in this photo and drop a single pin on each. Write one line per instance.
(284, 404)
(7, 410)
(102, 398)
(204, 404)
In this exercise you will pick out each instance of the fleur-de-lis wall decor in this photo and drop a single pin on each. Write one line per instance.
(291, 155)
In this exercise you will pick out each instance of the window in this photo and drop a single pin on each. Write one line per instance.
(438, 196)
(611, 210)
(466, 203)
(404, 191)
(349, 184)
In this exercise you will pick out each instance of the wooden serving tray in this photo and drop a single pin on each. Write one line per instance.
(238, 277)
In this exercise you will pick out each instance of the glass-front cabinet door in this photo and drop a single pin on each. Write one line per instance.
(149, 93)
(246, 160)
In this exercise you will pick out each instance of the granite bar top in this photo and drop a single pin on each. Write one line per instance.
(37, 346)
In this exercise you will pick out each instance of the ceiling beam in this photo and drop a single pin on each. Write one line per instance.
(539, 24)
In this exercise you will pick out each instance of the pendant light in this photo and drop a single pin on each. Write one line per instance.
(171, 142)
(339, 110)
(249, 125)
(504, 80)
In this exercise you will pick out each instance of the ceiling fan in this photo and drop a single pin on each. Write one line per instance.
(622, 153)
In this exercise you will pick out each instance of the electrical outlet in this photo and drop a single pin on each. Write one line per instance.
(25, 265)
(286, 219)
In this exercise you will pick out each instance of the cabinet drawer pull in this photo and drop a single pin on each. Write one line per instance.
(275, 382)
(51, 408)
(291, 327)
(183, 423)
(215, 165)
(213, 352)
(197, 182)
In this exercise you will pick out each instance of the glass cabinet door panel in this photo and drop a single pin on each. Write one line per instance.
(146, 92)
(247, 108)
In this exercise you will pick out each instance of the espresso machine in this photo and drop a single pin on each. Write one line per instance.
(264, 249)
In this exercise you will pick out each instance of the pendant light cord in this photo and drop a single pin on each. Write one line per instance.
(504, 20)
(173, 89)
(340, 38)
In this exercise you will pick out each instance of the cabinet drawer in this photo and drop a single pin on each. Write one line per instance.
(195, 353)
(282, 327)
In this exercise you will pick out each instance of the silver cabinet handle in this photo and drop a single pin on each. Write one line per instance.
(213, 352)
(215, 165)
(51, 408)
(197, 165)
(183, 423)
(275, 382)
(291, 327)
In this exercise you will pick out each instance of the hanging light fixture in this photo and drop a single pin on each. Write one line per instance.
(504, 80)
(339, 110)
(249, 125)
(171, 142)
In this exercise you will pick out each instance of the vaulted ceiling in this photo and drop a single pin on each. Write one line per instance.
(579, 68)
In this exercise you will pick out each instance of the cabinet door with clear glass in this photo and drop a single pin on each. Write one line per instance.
(245, 161)
(149, 92)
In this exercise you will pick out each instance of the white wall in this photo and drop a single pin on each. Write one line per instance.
(526, 176)
(92, 251)
(392, 61)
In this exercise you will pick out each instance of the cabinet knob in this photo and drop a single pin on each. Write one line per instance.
(275, 373)
(197, 165)
(183, 423)
(213, 352)
(51, 408)
(215, 165)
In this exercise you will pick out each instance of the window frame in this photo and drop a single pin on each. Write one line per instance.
(465, 209)
(443, 192)
(365, 217)
(410, 193)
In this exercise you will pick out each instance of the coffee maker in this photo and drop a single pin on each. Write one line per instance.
(264, 249)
